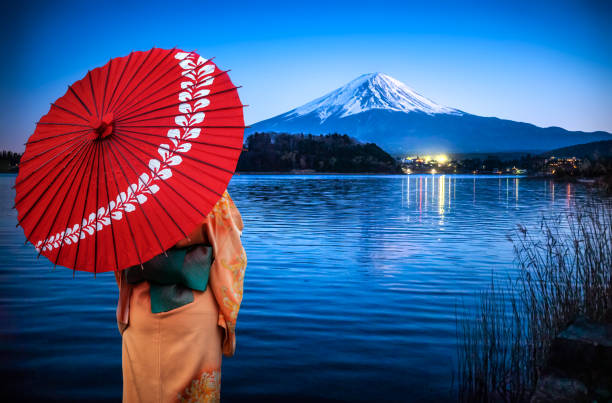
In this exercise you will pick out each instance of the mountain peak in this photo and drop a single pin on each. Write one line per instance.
(367, 92)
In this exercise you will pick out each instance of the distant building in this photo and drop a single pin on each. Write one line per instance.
(555, 165)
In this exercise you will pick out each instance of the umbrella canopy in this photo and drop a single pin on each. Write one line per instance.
(129, 160)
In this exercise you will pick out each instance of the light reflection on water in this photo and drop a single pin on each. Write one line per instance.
(350, 289)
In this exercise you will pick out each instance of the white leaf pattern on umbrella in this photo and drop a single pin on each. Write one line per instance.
(175, 160)
(185, 108)
(192, 134)
(202, 93)
(164, 151)
(201, 103)
(183, 148)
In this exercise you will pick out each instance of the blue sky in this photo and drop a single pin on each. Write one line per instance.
(547, 63)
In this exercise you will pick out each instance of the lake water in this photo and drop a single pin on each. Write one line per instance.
(350, 289)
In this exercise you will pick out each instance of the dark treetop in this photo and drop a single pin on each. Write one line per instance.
(281, 152)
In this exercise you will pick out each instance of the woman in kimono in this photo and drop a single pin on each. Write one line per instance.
(177, 313)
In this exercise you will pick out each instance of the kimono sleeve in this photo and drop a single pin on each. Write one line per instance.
(224, 228)
(123, 304)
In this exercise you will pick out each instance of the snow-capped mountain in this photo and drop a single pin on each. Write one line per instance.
(368, 92)
(380, 109)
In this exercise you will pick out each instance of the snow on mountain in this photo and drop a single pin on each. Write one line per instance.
(367, 92)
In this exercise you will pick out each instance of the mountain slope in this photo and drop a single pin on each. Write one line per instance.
(377, 108)
(592, 151)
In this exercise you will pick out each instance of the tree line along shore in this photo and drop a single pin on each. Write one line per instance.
(339, 153)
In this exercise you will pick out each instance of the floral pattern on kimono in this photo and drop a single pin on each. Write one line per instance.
(205, 389)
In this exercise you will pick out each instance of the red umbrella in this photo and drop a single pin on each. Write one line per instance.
(129, 160)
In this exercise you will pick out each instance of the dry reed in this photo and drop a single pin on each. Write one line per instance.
(564, 270)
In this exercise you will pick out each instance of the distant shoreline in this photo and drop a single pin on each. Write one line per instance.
(314, 173)
(353, 173)
(375, 173)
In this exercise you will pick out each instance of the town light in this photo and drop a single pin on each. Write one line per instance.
(442, 158)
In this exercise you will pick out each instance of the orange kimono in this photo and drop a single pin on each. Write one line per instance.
(175, 356)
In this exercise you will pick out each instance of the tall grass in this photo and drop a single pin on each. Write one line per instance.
(564, 270)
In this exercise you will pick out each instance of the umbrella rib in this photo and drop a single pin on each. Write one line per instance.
(225, 135)
(57, 135)
(72, 209)
(126, 215)
(119, 81)
(71, 148)
(103, 108)
(110, 216)
(149, 189)
(189, 177)
(129, 81)
(120, 142)
(190, 140)
(174, 126)
(175, 104)
(139, 95)
(48, 150)
(76, 256)
(164, 58)
(97, 204)
(123, 111)
(61, 246)
(110, 147)
(127, 218)
(60, 124)
(93, 94)
(70, 112)
(80, 164)
(129, 119)
(127, 112)
(182, 153)
(30, 209)
(79, 98)
(125, 212)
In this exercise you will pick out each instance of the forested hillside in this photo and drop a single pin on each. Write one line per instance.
(280, 152)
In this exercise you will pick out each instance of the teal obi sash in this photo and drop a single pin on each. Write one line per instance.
(173, 278)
